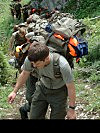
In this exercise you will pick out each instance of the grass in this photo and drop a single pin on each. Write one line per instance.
(89, 95)
(6, 23)
(83, 8)
(4, 91)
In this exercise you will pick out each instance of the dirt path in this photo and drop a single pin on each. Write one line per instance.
(13, 112)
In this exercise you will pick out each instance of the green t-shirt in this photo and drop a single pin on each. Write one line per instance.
(46, 74)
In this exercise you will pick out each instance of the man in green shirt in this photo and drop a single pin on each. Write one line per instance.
(49, 89)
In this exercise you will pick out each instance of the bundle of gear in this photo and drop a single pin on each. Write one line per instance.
(61, 32)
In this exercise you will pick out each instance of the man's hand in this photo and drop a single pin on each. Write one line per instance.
(11, 97)
(71, 114)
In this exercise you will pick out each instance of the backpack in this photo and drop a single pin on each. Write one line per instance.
(21, 51)
(65, 36)
(19, 40)
(56, 67)
(20, 54)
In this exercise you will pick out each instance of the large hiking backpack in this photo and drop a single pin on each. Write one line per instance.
(66, 37)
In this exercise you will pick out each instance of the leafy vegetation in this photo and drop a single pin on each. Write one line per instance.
(89, 95)
(83, 8)
(6, 70)
(87, 72)
(4, 91)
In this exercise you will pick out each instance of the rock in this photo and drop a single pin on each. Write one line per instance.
(87, 86)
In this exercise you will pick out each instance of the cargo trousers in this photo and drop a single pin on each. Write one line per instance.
(30, 89)
(56, 98)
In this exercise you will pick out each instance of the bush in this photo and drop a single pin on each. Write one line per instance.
(83, 8)
(6, 71)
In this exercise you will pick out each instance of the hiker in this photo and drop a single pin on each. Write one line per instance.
(30, 89)
(18, 8)
(25, 9)
(49, 89)
(30, 85)
(12, 4)
(15, 8)
(18, 38)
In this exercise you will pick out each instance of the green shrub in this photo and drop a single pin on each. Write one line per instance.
(6, 71)
(4, 91)
(83, 8)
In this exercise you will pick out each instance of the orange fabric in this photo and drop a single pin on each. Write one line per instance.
(72, 50)
(77, 60)
(58, 36)
(74, 42)
(33, 10)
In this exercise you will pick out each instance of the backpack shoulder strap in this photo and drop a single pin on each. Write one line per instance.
(56, 67)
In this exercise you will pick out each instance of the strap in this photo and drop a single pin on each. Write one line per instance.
(47, 39)
(56, 67)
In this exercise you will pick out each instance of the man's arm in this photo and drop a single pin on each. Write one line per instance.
(72, 97)
(71, 93)
(20, 82)
(12, 39)
(11, 43)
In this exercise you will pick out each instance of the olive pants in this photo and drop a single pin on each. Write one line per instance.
(30, 89)
(56, 98)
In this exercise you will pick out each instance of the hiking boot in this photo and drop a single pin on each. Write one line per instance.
(23, 113)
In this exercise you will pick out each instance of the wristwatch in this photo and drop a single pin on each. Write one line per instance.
(72, 107)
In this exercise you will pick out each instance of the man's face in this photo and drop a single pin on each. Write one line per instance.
(21, 34)
(38, 64)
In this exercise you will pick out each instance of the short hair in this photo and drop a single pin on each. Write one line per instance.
(22, 30)
(38, 52)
